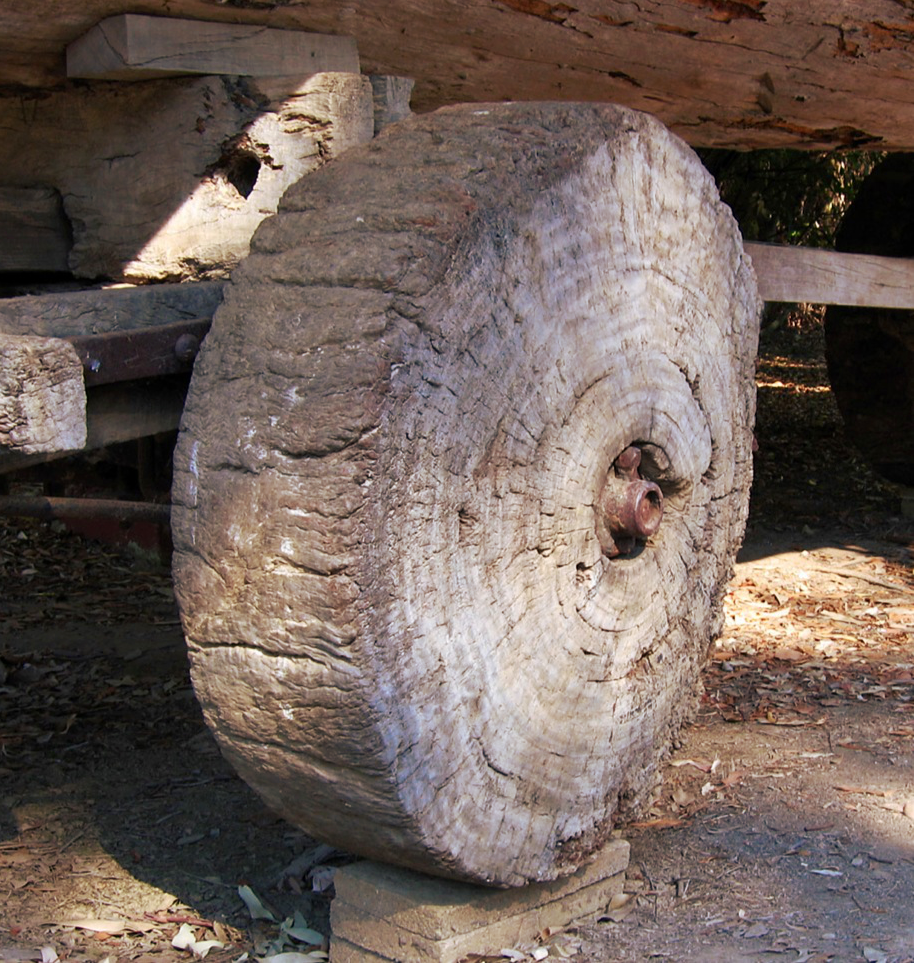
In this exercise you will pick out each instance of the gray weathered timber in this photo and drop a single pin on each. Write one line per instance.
(402, 627)
(134, 47)
(747, 73)
(391, 99)
(101, 310)
(42, 397)
(167, 180)
(44, 406)
(34, 232)
(832, 277)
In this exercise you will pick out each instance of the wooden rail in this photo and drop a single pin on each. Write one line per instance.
(815, 276)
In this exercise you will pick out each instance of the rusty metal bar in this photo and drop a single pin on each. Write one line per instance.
(37, 506)
(141, 352)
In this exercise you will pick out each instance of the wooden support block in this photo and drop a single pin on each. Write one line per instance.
(42, 396)
(34, 231)
(167, 180)
(136, 47)
(816, 276)
(391, 99)
(102, 310)
(382, 913)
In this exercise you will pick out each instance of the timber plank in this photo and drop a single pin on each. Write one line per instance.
(751, 74)
(167, 180)
(797, 274)
(98, 311)
(34, 231)
(135, 47)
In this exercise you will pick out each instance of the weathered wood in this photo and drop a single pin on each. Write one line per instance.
(402, 625)
(167, 180)
(747, 73)
(118, 412)
(34, 232)
(815, 276)
(135, 47)
(391, 99)
(42, 398)
(100, 310)
(113, 414)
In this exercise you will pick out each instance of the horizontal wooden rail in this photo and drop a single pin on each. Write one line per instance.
(816, 276)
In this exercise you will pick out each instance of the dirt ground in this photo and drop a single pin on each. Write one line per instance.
(784, 828)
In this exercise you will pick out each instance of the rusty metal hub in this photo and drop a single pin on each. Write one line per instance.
(630, 508)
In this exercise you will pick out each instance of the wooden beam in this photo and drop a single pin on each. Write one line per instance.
(814, 74)
(50, 399)
(112, 414)
(135, 47)
(391, 99)
(814, 276)
(34, 231)
(167, 180)
(101, 310)
(42, 396)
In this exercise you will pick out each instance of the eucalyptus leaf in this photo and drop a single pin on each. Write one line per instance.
(257, 910)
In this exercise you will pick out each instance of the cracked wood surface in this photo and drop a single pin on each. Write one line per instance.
(42, 397)
(168, 179)
(402, 627)
(747, 73)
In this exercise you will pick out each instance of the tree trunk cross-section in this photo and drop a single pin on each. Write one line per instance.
(402, 626)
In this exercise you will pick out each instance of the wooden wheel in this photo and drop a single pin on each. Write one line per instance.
(434, 614)
(870, 351)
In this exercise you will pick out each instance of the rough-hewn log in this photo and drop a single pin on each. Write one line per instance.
(134, 47)
(42, 398)
(34, 232)
(405, 625)
(748, 73)
(167, 180)
(870, 351)
(815, 276)
(100, 310)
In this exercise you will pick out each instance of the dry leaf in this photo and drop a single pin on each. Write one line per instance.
(699, 764)
(185, 939)
(864, 790)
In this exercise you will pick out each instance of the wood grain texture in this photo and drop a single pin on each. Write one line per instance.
(42, 397)
(814, 276)
(167, 180)
(817, 74)
(34, 232)
(134, 47)
(401, 625)
(76, 313)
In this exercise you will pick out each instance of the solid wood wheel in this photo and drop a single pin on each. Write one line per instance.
(434, 614)
(870, 351)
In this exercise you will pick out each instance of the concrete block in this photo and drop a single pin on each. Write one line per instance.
(389, 914)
